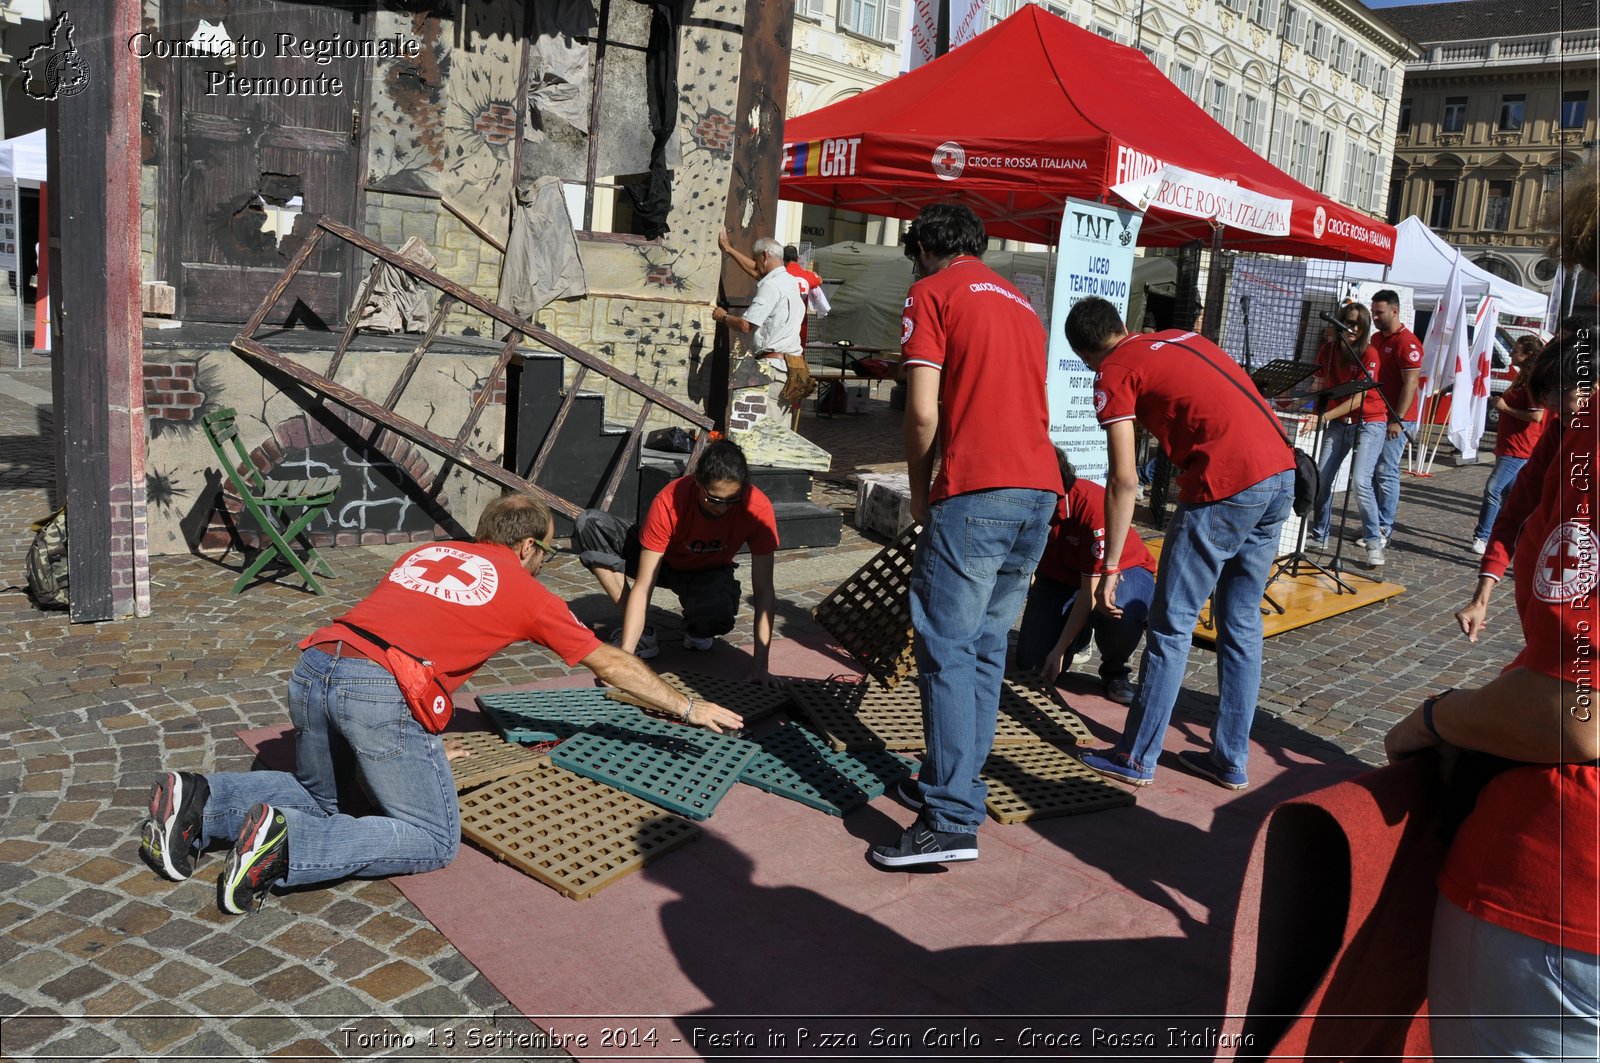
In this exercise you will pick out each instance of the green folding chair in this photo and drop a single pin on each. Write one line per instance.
(283, 508)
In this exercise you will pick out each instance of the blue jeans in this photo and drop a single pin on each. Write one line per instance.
(1222, 550)
(1496, 994)
(1337, 441)
(347, 710)
(968, 579)
(1049, 603)
(1501, 477)
(1386, 480)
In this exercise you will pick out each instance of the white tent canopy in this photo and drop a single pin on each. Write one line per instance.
(22, 158)
(1422, 262)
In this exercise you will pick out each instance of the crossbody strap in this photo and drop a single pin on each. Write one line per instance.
(1255, 400)
(382, 643)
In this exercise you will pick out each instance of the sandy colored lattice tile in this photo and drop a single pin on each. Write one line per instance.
(870, 613)
(485, 757)
(575, 835)
(1039, 781)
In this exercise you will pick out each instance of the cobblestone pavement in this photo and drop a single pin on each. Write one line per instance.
(99, 959)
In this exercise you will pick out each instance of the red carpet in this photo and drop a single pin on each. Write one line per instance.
(775, 917)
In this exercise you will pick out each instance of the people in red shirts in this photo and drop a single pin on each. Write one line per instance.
(687, 544)
(1354, 423)
(454, 604)
(1060, 617)
(1520, 425)
(1235, 485)
(1516, 935)
(1399, 370)
(810, 286)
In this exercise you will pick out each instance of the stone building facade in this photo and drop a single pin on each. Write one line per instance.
(1494, 111)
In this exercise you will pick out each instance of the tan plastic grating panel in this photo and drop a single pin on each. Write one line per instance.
(747, 699)
(870, 613)
(861, 715)
(575, 835)
(489, 757)
(1039, 781)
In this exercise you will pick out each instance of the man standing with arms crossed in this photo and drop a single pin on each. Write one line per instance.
(1399, 369)
(1235, 486)
(974, 358)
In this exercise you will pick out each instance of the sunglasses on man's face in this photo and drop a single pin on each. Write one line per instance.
(550, 549)
(715, 500)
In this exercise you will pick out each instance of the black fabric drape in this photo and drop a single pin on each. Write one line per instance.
(653, 199)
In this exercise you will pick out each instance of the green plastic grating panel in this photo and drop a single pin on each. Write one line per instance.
(796, 764)
(1036, 782)
(870, 612)
(747, 699)
(552, 715)
(861, 715)
(683, 769)
(574, 835)
(486, 757)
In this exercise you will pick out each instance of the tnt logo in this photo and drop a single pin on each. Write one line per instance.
(1319, 224)
(949, 159)
(1568, 564)
(449, 574)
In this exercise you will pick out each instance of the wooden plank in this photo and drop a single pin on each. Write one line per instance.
(364, 406)
(510, 320)
(482, 399)
(295, 262)
(354, 323)
(620, 465)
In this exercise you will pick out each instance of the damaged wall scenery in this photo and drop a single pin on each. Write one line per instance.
(428, 246)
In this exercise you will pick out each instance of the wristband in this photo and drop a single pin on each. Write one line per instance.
(1427, 713)
(689, 711)
(1106, 570)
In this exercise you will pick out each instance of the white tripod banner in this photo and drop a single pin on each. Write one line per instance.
(1095, 258)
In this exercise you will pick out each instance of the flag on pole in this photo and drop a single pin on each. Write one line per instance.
(1444, 350)
(968, 18)
(1469, 404)
(1552, 308)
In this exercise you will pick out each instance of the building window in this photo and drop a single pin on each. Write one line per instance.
(1236, 6)
(878, 19)
(1363, 68)
(1511, 111)
(1574, 108)
(1455, 114)
(1497, 207)
(1300, 152)
(812, 9)
(1154, 56)
(1183, 77)
(1405, 117)
(1264, 13)
(1249, 129)
(1382, 86)
(1442, 208)
(1295, 28)
(1108, 33)
(1319, 41)
(1000, 10)
(1341, 55)
(1219, 102)
(1397, 192)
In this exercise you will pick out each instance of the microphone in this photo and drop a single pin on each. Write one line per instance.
(1335, 322)
(1244, 303)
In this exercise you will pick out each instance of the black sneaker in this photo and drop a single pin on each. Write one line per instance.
(909, 793)
(167, 839)
(1121, 690)
(260, 857)
(921, 844)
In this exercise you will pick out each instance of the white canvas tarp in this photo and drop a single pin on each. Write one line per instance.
(22, 158)
(1422, 262)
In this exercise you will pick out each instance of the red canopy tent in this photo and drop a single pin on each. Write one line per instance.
(1036, 110)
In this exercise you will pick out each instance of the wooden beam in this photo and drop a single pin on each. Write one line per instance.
(358, 403)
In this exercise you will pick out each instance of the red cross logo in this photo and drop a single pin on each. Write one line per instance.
(1568, 563)
(1480, 379)
(436, 569)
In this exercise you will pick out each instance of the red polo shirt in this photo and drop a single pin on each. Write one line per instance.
(1398, 354)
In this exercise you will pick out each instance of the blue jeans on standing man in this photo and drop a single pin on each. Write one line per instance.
(1223, 550)
(1337, 441)
(968, 579)
(1386, 481)
(1501, 477)
(344, 710)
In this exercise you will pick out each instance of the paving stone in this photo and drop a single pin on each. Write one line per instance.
(290, 984)
(155, 1028)
(253, 963)
(76, 984)
(85, 1043)
(175, 978)
(391, 981)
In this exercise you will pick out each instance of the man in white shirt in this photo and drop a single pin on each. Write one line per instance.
(774, 315)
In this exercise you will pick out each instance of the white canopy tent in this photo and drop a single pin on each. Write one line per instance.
(22, 165)
(1422, 262)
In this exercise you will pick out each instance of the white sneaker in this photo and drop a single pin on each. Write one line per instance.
(647, 648)
(1386, 537)
(1479, 546)
(1081, 659)
(1375, 556)
(694, 642)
